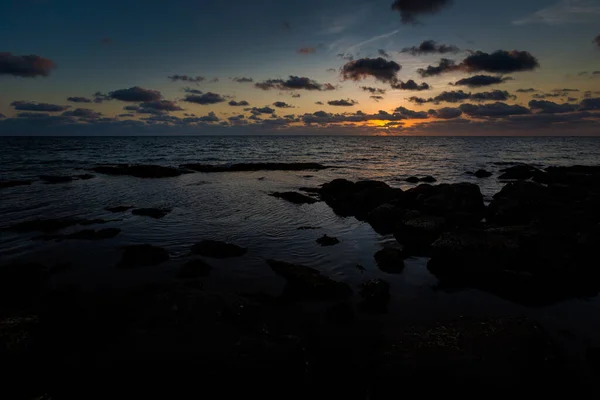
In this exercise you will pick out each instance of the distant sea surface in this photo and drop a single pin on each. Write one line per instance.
(236, 207)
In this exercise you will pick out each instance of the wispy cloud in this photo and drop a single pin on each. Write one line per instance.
(564, 12)
(356, 47)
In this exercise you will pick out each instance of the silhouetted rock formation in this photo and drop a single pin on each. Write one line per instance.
(482, 173)
(327, 241)
(520, 172)
(242, 167)
(294, 197)
(217, 249)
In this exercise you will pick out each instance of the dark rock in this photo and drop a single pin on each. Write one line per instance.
(327, 241)
(308, 282)
(518, 203)
(242, 167)
(307, 228)
(390, 260)
(86, 222)
(118, 209)
(360, 268)
(139, 171)
(520, 172)
(13, 183)
(386, 218)
(460, 200)
(194, 269)
(341, 313)
(310, 189)
(140, 255)
(418, 231)
(45, 225)
(21, 284)
(151, 212)
(55, 179)
(84, 177)
(428, 179)
(294, 197)
(90, 234)
(217, 249)
(412, 179)
(482, 173)
(375, 294)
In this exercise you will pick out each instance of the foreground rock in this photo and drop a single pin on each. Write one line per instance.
(375, 294)
(217, 249)
(417, 231)
(141, 255)
(294, 197)
(139, 171)
(520, 172)
(482, 173)
(327, 241)
(390, 260)
(118, 209)
(56, 178)
(306, 282)
(156, 213)
(194, 269)
(243, 167)
(426, 179)
(13, 183)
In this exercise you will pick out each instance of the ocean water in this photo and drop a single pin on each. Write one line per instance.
(236, 207)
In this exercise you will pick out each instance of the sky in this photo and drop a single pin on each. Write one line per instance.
(376, 67)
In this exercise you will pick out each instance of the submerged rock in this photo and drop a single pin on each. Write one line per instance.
(412, 179)
(375, 294)
(194, 269)
(13, 183)
(56, 179)
(482, 173)
(151, 212)
(217, 249)
(428, 179)
(327, 241)
(242, 167)
(118, 209)
(294, 197)
(45, 225)
(86, 234)
(390, 260)
(139, 171)
(308, 282)
(520, 172)
(84, 177)
(141, 255)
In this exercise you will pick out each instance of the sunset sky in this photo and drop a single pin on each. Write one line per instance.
(379, 67)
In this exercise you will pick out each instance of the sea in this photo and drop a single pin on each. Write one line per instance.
(236, 207)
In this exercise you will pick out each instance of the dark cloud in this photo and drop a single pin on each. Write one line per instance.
(583, 73)
(296, 95)
(101, 97)
(550, 107)
(548, 95)
(294, 83)
(2, 116)
(203, 99)
(500, 61)
(446, 113)
(451, 97)
(32, 106)
(376, 98)
(319, 103)
(161, 105)
(418, 100)
(445, 65)
(494, 95)
(571, 98)
(261, 110)
(186, 78)
(33, 115)
(383, 53)
(493, 110)
(411, 85)
(307, 50)
(590, 104)
(379, 68)
(282, 104)
(79, 100)
(346, 56)
(84, 113)
(595, 73)
(460, 96)
(192, 91)
(373, 90)
(211, 117)
(238, 120)
(135, 94)
(128, 115)
(28, 66)
(430, 47)
(242, 80)
(343, 103)
(529, 90)
(238, 103)
(131, 108)
(565, 90)
(213, 80)
(331, 70)
(481, 80)
(410, 114)
(322, 117)
(411, 10)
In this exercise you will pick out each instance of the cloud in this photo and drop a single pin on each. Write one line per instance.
(331, 70)
(418, 100)
(379, 68)
(84, 113)
(322, 117)
(79, 100)
(550, 107)
(294, 83)
(528, 90)
(564, 12)
(161, 105)
(481, 80)
(204, 99)
(493, 110)
(186, 78)
(320, 103)
(376, 98)
(2, 116)
(192, 91)
(33, 106)
(383, 53)
(494, 95)
(445, 65)
(500, 61)
(282, 104)
(459, 96)
(211, 117)
(346, 56)
(242, 80)
(240, 103)
(590, 104)
(135, 94)
(410, 114)
(410, 10)
(430, 47)
(373, 90)
(446, 113)
(28, 66)
(238, 120)
(260, 110)
(567, 90)
(296, 95)
(411, 85)
(213, 80)
(307, 50)
(343, 103)
(101, 97)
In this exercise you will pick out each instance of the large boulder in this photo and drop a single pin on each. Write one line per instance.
(520, 172)
(218, 249)
(519, 203)
(386, 218)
